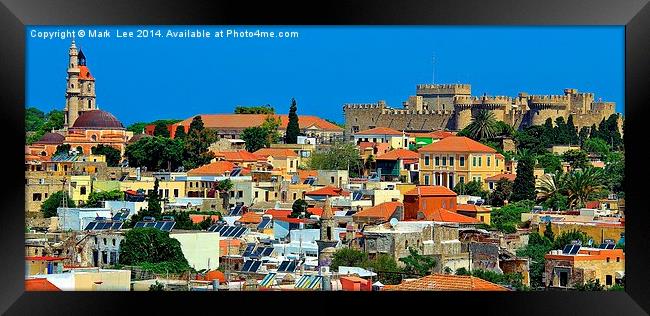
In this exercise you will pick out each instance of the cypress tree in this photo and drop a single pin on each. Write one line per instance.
(524, 185)
(153, 201)
(574, 138)
(180, 132)
(293, 128)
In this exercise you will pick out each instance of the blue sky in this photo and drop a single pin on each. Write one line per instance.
(144, 79)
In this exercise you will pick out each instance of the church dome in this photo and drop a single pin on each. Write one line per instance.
(51, 138)
(97, 119)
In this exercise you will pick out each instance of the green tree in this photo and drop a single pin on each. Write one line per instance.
(583, 185)
(583, 135)
(534, 139)
(298, 207)
(501, 193)
(196, 145)
(155, 153)
(550, 189)
(264, 109)
(137, 128)
(62, 149)
(483, 126)
(348, 257)
(293, 128)
(576, 158)
(34, 119)
(255, 138)
(571, 131)
(596, 146)
(548, 232)
(153, 201)
(340, 156)
(180, 133)
(223, 187)
(386, 268)
(508, 217)
(416, 263)
(53, 121)
(113, 155)
(524, 185)
(54, 201)
(183, 220)
(160, 129)
(538, 246)
(96, 198)
(550, 162)
(615, 173)
(271, 124)
(152, 249)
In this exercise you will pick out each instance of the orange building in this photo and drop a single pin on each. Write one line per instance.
(446, 282)
(428, 199)
(353, 283)
(97, 127)
(566, 270)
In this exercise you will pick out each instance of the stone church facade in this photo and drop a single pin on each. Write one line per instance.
(452, 106)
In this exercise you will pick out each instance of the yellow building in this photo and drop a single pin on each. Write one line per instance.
(456, 159)
(167, 189)
(304, 151)
(565, 270)
(80, 188)
(394, 138)
(283, 159)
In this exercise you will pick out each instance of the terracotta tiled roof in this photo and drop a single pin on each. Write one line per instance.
(304, 174)
(379, 131)
(431, 190)
(212, 169)
(329, 191)
(242, 121)
(381, 211)
(509, 176)
(39, 284)
(442, 215)
(276, 152)
(84, 73)
(315, 211)
(398, 153)
(457, 144)
(278, 213)
(237, 156)
(471, 208)
(592, 204)
(434, 134)
(446, 282)
(250, 218)
(43, 258)
(197, 218)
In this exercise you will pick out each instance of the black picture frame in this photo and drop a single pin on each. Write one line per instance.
(15, 15)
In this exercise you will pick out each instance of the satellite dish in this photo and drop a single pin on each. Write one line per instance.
(393, 222)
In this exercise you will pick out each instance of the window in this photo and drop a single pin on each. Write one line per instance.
(618, 259)
(479, 161)
(426, 179)
(190, 184)
(564, 278)
(491, 185)
(113, 241)
(482, 219)
(36, 197)
(474, 161)
(607, 259)
(461, 161)
(331, 179)
(406, 244)
(426, 160)
(82, 190)
(295, 195)
(451, 161)
(488, 161)
(291, 164)
(608, 280)
(444, 161)
(257, 194)
(240, 194)
(497, 161)
(175, 192)
(461, 179)
(105, 243)
(437, 161)
(232, 194)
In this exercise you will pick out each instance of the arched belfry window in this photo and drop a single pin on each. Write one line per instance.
(82, 58)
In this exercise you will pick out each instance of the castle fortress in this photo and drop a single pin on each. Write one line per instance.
(452, 106)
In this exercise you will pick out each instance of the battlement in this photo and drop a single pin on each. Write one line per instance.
(378, 105)
(499, 99)
(391, 111)
(444, 89)
(463, 100)
(548, 100)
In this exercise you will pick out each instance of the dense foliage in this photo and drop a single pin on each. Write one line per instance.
(95, 198)
(524, 186)
(513, 280)
(473, 188)
(264, 109)
(39, 123)
(196, 145)
(538, 246)
(155, 153)
(340, 156)
(507, 218)
(416, 263)
(112, 154)
(54, 201)
(152, 249)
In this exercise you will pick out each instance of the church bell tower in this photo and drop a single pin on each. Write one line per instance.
(80, 89)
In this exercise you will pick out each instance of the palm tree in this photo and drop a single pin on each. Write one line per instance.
(223, 187)
(582, 185)
(483, 126)
(547, 186)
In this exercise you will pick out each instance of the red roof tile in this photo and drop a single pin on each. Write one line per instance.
(39, 284)
(43, 258)
(237, 156)
(242, 121)
(276, 152)
(446, 282)
(471, 208)
(379, 131)
(84, 73)
(508, 176)
(399, 154)
(328, 191)
(250, 218)
(381, 211)
(197, 218)
(431, 190)
(457, 144)
(434, 134)
(217, 168)
(442, 215)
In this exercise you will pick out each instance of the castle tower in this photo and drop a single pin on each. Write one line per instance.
(497, 105)
(80, 87)
(462, 111)
(543, 107)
